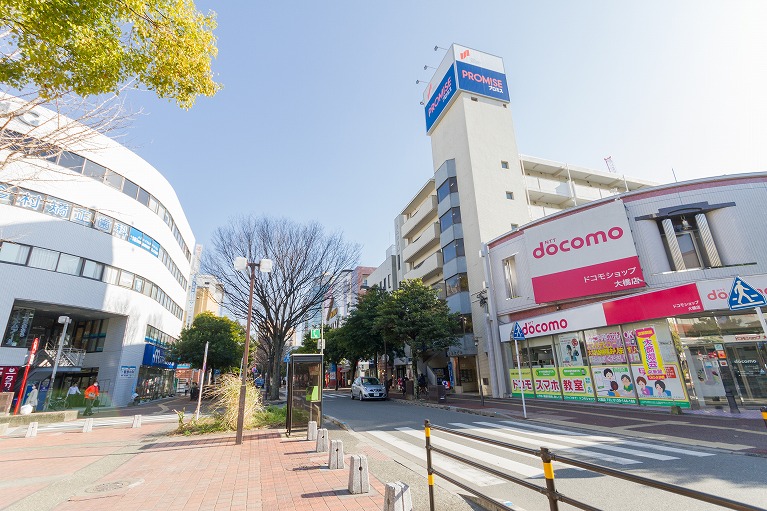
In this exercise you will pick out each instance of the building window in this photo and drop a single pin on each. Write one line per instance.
(71, 161)
(466, 325)
(94, 170)
(93, 270)
(449, 219)
(69, 264)
(510, 277)
(43, 259)
(452, 250)
(449, 186)
(510, 195)
(456, 284)
(130, 188)
(13, 253)
(688, 239)
(504, 165)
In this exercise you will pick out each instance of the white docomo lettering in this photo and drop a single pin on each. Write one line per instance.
(595, 238)
(532, 327)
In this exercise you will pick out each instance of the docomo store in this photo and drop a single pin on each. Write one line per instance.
(676, 346)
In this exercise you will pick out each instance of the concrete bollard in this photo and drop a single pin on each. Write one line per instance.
(397, 497)
(322, 440)
(88, 426)
(359, 477)
(136, 421)
(31, 430)
(311, 433)
(336, 457)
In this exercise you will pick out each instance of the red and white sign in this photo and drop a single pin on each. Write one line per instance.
(590, 316)
(657, 304)
(588, 253)
(714, 293)
(8, 378)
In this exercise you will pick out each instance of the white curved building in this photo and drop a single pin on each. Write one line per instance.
(90, 231)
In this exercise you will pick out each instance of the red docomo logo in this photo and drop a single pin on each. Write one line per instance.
(595, 238)
(532, 327)
(721, 294)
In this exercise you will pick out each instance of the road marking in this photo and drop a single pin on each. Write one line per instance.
(492, 459)
(457, 469)
(614, 439)
(590, 443)
(553, 445)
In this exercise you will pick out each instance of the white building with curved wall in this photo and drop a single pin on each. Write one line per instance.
(91, 231)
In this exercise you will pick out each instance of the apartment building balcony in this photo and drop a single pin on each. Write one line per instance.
(427, 269)
(428, 241)
(426, 213)
(550, 191)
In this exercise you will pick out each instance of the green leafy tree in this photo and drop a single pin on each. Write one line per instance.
(361, 336)
(413, 315)
(93, 47)
(226, 338)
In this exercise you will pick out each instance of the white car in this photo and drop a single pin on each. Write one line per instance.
(366, 387)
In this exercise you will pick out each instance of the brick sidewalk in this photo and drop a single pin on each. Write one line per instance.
(124, 469)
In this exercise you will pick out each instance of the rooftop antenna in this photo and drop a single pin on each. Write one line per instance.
(610, 165)
(674, 174)
(439, 48)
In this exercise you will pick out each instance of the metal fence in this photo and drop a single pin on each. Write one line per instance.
(554, 497)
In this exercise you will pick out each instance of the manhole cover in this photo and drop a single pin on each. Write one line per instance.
(100, 488)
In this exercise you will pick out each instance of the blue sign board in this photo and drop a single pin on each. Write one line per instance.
(482, 81)
(135, 236)
(517, 334)
(743, 296)
(155, 249)
(146, 243)
(155, 356)
(439, 98)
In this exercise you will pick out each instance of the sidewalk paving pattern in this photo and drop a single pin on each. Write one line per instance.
(119, 468)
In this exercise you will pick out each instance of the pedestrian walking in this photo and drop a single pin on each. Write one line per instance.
(91, 395)
(74, 390)
(32, 397)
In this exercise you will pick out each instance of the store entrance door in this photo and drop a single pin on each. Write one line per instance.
(749, 368)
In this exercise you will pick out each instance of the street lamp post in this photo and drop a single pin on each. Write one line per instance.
(479, 376)
(265, 266)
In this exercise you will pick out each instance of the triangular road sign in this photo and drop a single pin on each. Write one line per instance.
(744, 296)
(517, 334)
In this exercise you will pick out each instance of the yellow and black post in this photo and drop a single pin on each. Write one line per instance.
(764, 414)
(548, 473)
(429, 471)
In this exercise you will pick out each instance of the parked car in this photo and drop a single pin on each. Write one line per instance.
(259, 382)
(366, 387)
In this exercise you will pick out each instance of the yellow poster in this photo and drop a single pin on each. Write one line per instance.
(651, 357)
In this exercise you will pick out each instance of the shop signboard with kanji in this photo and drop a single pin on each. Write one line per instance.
(524, 385)
(577, 384)
(546, 383)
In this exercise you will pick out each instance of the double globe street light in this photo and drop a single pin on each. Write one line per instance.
(241, 264)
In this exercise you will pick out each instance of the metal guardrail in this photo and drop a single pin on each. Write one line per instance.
(554, 497)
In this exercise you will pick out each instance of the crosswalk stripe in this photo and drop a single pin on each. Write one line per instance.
(444, 463)
(504, 463)
(613, 439)
(590, 443)
(553, 445)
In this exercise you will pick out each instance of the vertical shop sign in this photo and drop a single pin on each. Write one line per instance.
(8, 378)
(18, 327)
(651, 357)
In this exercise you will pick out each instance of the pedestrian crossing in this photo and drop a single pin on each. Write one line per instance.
(98, 422)
(599, 449)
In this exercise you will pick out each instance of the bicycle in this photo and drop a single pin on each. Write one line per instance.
(57, 403)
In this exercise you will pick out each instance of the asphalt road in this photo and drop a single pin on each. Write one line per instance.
(396, 428)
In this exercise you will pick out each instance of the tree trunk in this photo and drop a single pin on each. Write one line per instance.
(274, 379)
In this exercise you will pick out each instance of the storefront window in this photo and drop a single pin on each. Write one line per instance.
(154, 382)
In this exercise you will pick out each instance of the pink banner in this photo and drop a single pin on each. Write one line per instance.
(659, 304)
(589, 280)
(8, 378)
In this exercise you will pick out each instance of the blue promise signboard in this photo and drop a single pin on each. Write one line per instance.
(155, 356)
(439, 99)
(482, 81)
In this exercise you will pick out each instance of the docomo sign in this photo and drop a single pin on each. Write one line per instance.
(551, 247)
(531, 328)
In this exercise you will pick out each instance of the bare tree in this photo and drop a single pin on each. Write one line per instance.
(306, 262)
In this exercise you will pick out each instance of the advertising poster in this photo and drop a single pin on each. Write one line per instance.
(8, 376)
(525, 383)
(576, 383)
(127, 371)
(546, 383)
(570, 350)
(651, 357)
(614, 384)
(667, 390)
(605, 348)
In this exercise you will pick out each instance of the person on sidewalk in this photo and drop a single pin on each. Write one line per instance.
(74, 390)
(91, 395)
(32, 397)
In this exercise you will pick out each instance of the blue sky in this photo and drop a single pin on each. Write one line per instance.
(319, 118)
